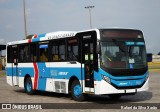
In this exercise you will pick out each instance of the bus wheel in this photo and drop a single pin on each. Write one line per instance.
(28, 86)
(76, 91)
(114, 96)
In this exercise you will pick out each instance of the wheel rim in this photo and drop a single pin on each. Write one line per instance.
(77, 91)
(28, 86)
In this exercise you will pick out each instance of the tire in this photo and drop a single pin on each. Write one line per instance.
(28, 86)
(115, 96)
(76, 91)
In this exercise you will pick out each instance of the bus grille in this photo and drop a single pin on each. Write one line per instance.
(60, 87)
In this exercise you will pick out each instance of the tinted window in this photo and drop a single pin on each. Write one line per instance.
(58, 51)
(62, 51)
(43, 50)
(24, 53)
(72, 53)
(33, 52)
(9, 54)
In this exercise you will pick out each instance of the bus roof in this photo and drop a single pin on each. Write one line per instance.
(60, 34)
(46, 36)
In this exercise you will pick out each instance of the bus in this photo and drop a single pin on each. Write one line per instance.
(103, 61)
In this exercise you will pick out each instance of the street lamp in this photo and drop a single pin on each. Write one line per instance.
(24, 12)
(90, 19)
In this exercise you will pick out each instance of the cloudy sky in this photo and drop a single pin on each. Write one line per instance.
(54, 15)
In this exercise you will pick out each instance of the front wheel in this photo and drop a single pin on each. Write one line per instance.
(28, 86)
(76, 91)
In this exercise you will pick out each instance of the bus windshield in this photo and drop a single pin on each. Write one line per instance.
(123, 55)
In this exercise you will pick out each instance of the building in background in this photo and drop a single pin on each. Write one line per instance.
(2, 58)
(156, 58)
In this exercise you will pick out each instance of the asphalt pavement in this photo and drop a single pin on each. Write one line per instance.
(9, 94)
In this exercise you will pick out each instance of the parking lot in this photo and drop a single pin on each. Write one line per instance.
(9, 94)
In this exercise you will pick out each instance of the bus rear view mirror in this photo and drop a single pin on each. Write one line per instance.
(149, 57)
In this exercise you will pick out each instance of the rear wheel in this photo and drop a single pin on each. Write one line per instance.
(28, 86)
(76, 91)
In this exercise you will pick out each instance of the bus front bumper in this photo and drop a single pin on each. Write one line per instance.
(103, 87)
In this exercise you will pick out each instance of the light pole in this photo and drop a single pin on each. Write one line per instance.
(90, 18)
(25, 26)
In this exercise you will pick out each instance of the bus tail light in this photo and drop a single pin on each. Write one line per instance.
(107, 79)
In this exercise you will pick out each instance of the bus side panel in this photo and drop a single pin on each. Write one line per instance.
(60, 73)
(43, 75)
(49, 85)
(51, 76)
(12, 76)
(23, 70)
(9, 74)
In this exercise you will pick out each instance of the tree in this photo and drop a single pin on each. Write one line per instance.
(30, 36)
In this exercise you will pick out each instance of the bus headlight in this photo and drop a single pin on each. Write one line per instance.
(107, 79)
(147, 77)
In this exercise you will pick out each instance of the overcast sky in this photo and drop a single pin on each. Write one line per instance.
(44, 16)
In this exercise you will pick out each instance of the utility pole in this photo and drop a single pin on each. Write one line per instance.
(90, 18)
(25, 26)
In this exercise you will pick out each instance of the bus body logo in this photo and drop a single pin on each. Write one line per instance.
(62, 73)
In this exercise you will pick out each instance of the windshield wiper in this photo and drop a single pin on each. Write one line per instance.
(120, 46)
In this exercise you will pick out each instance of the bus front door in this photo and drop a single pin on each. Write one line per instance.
(88, 66)
(88, 59)
(15, 65)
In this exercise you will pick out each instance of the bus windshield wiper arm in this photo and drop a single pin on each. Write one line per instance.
(120, 46)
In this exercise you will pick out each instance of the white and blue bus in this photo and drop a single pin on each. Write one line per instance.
(109, 62)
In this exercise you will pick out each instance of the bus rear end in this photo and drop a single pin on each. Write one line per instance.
(12, 65)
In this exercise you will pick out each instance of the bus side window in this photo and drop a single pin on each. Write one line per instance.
(58, 51)
(24, 53)
(33, 52)
(72, 50)
(54, 53)
(9, 54)
(43, 51)
(62, 51)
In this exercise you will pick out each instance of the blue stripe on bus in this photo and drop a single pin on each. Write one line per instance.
(41, 35)
(8, 71)
(59, 73)
(21, 71)
(38, 38)
(46, 72)
(43, 75)
(42, 84)
(67, 73)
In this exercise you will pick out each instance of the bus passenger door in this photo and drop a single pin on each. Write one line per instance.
(88, 65)
(88, 58)
(15, 77)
